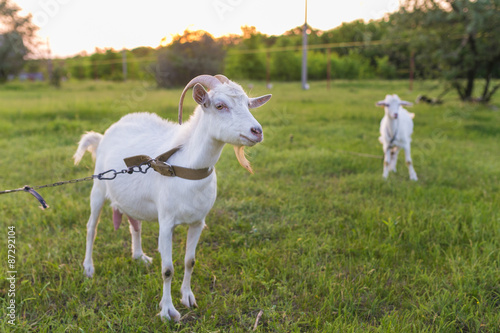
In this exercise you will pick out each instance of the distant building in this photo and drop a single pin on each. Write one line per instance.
(38, 76)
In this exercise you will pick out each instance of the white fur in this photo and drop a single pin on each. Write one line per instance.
(169, 200)
(396, 129)
(90, 140)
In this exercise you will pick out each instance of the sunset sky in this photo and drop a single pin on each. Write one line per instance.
(74, 26)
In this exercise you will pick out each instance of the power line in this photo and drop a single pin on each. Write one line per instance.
(338, 45)
(87, 61)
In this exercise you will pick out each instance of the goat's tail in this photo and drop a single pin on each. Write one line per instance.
(88, 142)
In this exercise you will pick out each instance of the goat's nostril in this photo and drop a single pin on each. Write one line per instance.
(256, 131)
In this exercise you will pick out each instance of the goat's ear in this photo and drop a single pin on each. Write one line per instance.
(258, 101)
(405, 103)
(381, 103)
(200, 95)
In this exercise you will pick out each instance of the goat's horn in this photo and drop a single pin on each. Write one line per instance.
(222, 78)
(208, 81)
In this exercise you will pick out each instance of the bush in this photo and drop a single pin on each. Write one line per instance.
(352, 66)
(316, 65)
(385, 70)
(57, 74)
(285, 66)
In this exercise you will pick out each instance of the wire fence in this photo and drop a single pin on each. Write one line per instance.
(151, 60)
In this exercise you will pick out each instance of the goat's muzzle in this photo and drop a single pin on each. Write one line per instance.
(257, 133)
(255, 136)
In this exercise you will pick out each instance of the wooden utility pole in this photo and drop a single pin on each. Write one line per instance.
(305, 86)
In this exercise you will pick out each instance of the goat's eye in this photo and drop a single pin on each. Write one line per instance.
(220, 106)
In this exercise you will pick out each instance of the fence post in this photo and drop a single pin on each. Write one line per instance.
(412, 69)
(268, 74)
(328, 68)
(49, 60)
(124, 64)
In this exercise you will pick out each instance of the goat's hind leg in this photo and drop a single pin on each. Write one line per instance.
(189, 262)
(135, 231)
(97, 198)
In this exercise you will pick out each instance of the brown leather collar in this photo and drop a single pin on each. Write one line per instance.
(160, 165)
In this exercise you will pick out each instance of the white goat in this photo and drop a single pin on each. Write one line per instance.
(396, 129)
(222, 117)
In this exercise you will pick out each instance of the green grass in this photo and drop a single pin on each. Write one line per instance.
(316, 239)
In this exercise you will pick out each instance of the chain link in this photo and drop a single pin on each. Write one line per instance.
(106, 175)
(72, 181)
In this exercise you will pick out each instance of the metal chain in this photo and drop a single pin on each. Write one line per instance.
(72, 181)
(106, 175)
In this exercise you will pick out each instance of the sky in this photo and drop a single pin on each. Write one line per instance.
(73, 26)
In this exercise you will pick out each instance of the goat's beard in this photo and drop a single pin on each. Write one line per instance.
(240, 155)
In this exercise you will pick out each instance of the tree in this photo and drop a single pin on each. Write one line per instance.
(12, 52)
(189, 55)
(17, 39)
(247, 59)
(459, 37)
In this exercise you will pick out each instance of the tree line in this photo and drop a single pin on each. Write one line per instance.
(457, 41)
(251, 55)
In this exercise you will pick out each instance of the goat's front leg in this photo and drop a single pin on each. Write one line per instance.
(168, 310)
(189, 261)
(409, 163)
(135, 231)
(394, 158)
(387, 161)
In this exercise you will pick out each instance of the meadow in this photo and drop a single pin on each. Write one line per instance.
(315, 239)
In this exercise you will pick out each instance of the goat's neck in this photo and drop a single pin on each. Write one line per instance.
(199, 150)
(392, 126)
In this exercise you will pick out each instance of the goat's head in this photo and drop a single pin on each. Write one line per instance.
(392, 104)
(228, 106)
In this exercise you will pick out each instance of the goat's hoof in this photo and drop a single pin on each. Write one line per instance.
(88, 270)
(188, 300)
(169, 313)
(144, 258)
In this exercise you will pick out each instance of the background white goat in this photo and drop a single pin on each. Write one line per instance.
(396, 129)
(222, 117)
